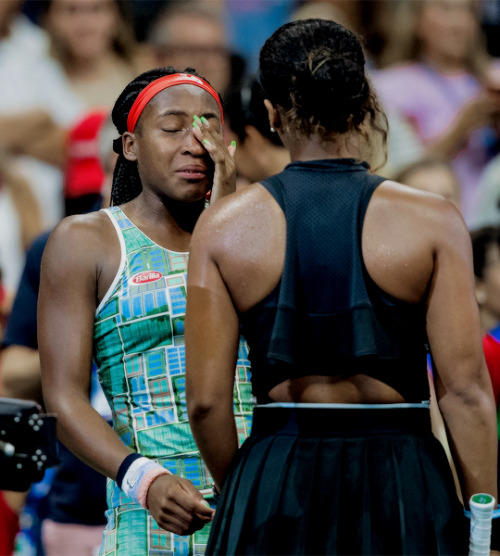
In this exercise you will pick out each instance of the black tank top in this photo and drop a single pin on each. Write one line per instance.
(326, 316)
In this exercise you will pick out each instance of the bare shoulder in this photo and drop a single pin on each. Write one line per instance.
(243, 236)
(250, 199)
(430, 216)
(92, 223)
(243, 216)
(405, 234)
(79, 238)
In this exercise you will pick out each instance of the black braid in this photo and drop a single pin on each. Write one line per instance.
(126, 181)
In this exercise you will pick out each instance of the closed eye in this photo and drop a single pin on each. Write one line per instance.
(172, 130)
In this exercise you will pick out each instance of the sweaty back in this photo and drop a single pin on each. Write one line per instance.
(326, 316)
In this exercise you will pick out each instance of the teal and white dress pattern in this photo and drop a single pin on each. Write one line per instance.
(139, 352)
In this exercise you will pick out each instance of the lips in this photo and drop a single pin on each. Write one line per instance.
(192, 172)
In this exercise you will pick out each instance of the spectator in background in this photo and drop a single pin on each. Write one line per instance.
(94, 42)
(36, 109)
(437, 74)
(260, 152)
(21, 223)
(193, 34)
(486, 255)
(84, 173)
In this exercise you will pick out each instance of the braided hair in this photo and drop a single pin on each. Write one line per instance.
(126, 180)
(314, 69)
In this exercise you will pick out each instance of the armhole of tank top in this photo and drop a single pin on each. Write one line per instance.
(369, 281)
(120, 267)
(273, 185)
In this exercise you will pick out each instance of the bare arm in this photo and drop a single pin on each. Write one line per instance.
(236, 258)
(463, 387)
(67, 303)
(51, 148)
(212, 334)
(34, 133)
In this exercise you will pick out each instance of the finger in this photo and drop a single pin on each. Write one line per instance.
(213, 141)
(177, 502)
(198, 524)
(175, 522)
(218, 153)
(205, 130)
(171, 526)
(204, 511)
(179, 527)
(209, 146)
(196, 503)
(188, 506)
(213, 146)
(176, 517)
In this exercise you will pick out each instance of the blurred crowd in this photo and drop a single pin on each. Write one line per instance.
(435, 65)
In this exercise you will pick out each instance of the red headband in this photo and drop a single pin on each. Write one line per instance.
(163, 83)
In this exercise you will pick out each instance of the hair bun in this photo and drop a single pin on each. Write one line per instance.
(334, 81)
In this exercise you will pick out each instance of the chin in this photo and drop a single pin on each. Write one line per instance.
(195, 197)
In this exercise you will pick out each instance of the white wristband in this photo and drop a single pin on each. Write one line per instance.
(137, 471)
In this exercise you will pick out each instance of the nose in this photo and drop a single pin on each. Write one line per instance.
(192, 145)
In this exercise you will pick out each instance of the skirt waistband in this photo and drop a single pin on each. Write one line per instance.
(298, 419)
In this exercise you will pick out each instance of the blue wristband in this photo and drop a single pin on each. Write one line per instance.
(125, 464)
(496, 513)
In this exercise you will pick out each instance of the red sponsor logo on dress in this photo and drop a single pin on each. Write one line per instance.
(146, 277)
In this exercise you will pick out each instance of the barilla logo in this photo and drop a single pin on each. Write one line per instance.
(146, 277)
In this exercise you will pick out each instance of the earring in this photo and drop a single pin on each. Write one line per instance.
(481, 297)
(272, 129)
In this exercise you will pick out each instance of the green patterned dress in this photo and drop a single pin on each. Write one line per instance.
(139, 351)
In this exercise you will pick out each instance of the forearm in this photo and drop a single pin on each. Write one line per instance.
(439, 431)
(214, 431)
(472, 433)
(18, 130)
(34, 134)
(51, 148)
(83, 431)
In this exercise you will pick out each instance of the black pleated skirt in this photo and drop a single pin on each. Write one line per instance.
(340, 480)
